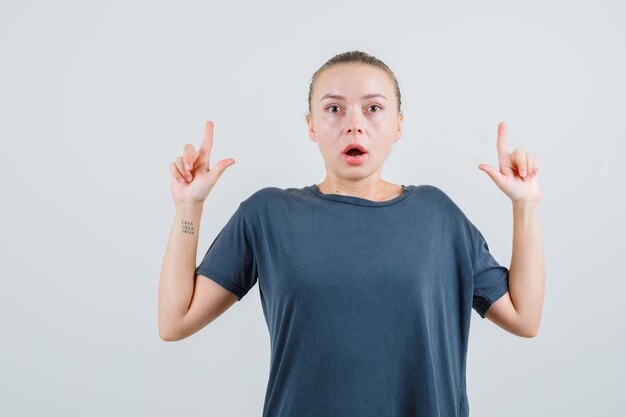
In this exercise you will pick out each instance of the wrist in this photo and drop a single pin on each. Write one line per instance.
(526, 203)
(189, 207)
(525, 206)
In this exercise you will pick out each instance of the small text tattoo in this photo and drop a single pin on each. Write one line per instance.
(187, 227)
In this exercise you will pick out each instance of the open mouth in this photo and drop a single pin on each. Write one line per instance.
(354, 150)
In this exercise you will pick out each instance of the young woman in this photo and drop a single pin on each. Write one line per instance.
(367, 286)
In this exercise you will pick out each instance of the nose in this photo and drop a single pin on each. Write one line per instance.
(354, 126)
(353, 130)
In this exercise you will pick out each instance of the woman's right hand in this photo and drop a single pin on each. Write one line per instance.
(192, 180)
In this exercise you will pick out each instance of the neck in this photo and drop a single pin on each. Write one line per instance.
(375, 190)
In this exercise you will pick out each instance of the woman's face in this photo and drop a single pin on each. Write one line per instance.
(354, 104)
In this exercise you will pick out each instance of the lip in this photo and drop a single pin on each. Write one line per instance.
(355, 160)
(354, 145)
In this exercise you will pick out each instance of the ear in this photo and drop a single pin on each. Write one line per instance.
(309, 122)
(399, 131)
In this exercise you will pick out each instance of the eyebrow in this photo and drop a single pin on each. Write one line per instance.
(338, 97)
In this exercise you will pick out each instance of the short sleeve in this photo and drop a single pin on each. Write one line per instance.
(491, 280)
(230, 259)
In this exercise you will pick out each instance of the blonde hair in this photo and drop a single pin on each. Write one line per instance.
(358, 57)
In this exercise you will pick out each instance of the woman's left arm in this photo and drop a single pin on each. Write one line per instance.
(520, 313)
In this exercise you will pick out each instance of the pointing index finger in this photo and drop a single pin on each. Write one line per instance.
(207, 144)
(501, 143)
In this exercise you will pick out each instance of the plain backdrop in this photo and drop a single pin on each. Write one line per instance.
(97, 98)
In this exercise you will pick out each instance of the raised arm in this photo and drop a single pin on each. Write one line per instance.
(519, 311)
(186, 303)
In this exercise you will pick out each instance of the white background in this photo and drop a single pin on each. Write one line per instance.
(97, 98)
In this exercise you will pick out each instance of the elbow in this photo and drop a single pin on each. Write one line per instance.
(174, 333)
(167, 337)
(528, 326)
(169, 334)
(171, 337)
(529, 333)
(170, 327)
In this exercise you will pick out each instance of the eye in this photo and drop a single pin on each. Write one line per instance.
(376, 105)
(331, 106)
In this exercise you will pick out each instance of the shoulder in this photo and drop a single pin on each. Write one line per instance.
(441, 204)
(448, 211)
(430, 190)
(265, 200)
(263, 196)
(436, 196)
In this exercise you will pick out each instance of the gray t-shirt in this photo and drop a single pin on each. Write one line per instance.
(368, 304)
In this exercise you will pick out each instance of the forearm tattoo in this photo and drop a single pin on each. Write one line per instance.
(187, 227)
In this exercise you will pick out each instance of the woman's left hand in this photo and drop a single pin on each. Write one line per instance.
(517, 176)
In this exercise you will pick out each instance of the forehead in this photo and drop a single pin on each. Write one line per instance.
(344, 79)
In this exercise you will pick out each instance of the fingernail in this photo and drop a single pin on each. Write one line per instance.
(189, 178)
(187, 166)
(180, 180)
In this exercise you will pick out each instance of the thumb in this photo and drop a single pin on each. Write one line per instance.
(221, 166)
(491, 171)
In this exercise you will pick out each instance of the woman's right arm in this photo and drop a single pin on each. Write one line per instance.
(188, 302)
